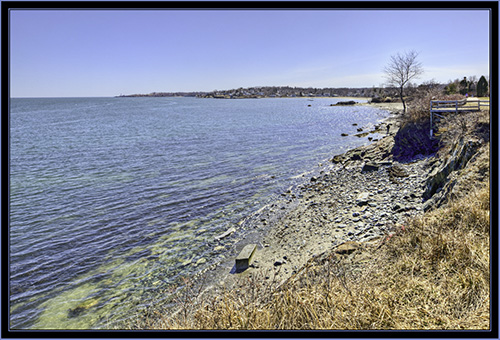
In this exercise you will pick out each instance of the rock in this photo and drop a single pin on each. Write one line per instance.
(350, 102)
(413, 139)
(279, 263)
(360, 129)
(356, 156)
(344, 134)
(363, 199)
(462, 153)
(219, 248)
(314, 179)
(337, 159)
(398, 207)
(370, 167)
(397, 170)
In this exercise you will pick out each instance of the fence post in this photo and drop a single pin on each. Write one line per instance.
(431, 119)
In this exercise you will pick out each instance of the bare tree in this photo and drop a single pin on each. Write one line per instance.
(401, 69)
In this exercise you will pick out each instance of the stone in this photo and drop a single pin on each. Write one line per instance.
(279, 263)
(350, 102)
(363, 198)
(370, 167)
(397, 170)
(337, 159)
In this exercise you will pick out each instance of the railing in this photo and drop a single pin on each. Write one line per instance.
(439, 107)
(446, 105)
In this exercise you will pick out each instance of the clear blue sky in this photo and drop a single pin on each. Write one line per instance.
(106, 53)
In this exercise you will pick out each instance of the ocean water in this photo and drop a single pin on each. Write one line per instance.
(114, 200)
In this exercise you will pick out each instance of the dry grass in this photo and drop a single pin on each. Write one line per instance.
(419, 107)
(464, 125)
(431, 274)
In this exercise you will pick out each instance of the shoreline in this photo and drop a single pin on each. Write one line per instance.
(380, 210)
(325, 211)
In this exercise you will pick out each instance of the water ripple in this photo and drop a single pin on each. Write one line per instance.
(114, 199)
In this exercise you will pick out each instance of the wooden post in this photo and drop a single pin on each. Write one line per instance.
(431, 120)
(243, 260)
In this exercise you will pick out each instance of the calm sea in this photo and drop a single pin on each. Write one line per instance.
(113, 200)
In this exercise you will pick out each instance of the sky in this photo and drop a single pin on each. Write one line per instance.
(101, 53)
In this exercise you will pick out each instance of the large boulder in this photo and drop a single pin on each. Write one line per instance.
(413, 139)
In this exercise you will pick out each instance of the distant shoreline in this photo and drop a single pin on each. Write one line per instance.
(244, 97)
(278, 92)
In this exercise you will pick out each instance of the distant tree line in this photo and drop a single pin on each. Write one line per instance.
(470, 86)
(288, 91)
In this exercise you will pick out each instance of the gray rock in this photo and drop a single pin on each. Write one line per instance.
(370, 167)
(363, 198)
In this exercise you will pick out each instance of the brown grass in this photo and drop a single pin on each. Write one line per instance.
(432, 273)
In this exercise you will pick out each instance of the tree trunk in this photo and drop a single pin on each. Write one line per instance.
(402, 98)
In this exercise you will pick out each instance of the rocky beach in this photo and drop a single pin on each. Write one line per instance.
(357, 200)
(359, 197)
(349, 218)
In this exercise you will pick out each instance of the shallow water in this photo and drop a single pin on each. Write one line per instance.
(113, 200)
